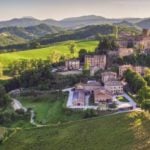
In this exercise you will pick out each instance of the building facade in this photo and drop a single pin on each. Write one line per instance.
(122, 52)
(123, 69)
(115, 87)
(108, 76)
(72, 64)
(101, 95)
(96, 61)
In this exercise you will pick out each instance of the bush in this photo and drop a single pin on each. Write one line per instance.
(89, 113)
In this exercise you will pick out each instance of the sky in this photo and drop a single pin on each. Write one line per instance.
(59, 9)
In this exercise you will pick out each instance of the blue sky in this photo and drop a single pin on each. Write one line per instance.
(59, 9)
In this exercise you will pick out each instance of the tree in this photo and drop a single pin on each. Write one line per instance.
(144, 93)
(106, 44)
(135, 80)
(82, 53)
(1, 70)
(72, 46)
(3, 97)
(34, 44)
(146, 105)
(147, 79)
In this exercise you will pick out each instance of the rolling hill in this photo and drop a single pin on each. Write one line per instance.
(120, 132)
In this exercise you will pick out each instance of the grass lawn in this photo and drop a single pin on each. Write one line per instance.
(50, 108)
(122, 99)
(43, 53)
(120, 132)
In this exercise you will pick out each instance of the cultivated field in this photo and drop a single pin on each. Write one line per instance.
(42, 53)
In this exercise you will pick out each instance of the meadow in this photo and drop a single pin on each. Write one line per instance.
(50, 108)
(42, 53)
(128, 131)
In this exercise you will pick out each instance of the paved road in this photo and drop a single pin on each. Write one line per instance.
(131, 101)
(17, 105)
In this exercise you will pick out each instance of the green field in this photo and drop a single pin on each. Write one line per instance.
(119, 132)
(50, 108)
(122, 99)
(43, 53)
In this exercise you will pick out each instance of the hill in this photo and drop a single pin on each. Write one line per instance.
(74, 22)
(31, 32)
(88, 32)
(20, 22)
(8, 39)
(43, 53)
(144, 23)
(124, 131)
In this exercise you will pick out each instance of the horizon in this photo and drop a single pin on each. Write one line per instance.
(73, 17)
(44, 9)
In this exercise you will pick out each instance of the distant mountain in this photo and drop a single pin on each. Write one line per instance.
(32, 32)
(21, 22)
(124, 23)
(144, 23)
(74, 22)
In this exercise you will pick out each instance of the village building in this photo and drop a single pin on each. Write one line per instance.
(140, 69)
(101, 95)
(72, 64)
(123, 69)
(122, 52)
(96, 61)
(108, 76)
(93, 70)
(90, 86)
(115, 87)
(141, 41)
(79, 97)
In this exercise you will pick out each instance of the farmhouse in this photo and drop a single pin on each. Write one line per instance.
(96, 61)
(115, 87)
(108, 76)
(72, 64)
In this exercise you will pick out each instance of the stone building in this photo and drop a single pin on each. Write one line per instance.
(72, 64)
(96, 61)
(115, 87)
(108, 76)
(122, 52)
(123, 69)
(101, 95)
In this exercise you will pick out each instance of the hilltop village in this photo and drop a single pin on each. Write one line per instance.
(109, 92)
